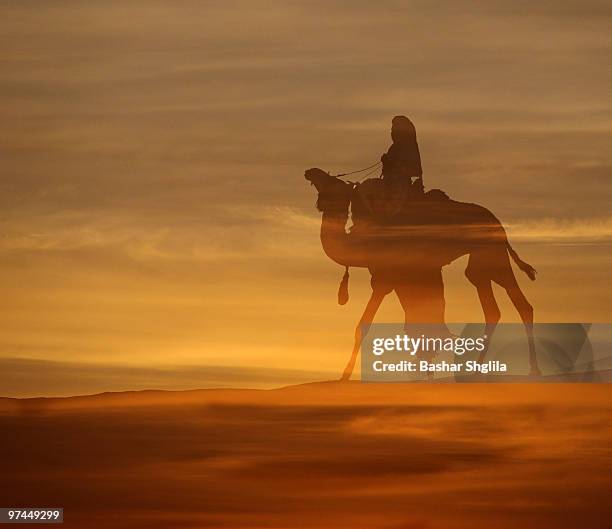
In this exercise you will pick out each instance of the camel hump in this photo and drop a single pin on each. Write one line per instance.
(437, 194)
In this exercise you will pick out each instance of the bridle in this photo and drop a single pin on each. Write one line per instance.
(372, 169)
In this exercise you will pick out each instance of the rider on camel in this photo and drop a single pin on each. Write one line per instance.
(402, 164)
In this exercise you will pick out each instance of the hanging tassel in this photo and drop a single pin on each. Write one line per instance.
(343, 292)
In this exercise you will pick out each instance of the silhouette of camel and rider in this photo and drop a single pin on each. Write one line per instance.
(404, 235)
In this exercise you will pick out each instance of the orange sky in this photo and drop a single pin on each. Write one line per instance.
(155, 214)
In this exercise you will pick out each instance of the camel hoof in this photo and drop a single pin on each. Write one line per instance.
(345, 377)
(535, 372)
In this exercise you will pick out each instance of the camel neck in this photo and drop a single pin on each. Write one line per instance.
(337, 243)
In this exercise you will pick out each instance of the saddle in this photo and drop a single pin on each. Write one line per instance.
(374, 202)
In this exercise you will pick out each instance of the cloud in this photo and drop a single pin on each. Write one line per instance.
(563, 230)
(32, 377)
(321, 456)
(153, 157)
(225, 232)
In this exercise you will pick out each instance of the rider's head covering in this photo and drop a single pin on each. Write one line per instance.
(403, 156)
(403, 127)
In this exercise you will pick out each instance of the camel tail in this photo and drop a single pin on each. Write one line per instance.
(525, 267)
(343, 291)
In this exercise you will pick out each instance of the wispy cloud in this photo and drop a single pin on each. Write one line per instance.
(226, 232)
(33, 378)
(563, 230)
(153, 156)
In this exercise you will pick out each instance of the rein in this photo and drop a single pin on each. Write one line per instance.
(372, 168)
(343, 292)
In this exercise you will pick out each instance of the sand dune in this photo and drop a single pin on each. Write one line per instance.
(317, 455)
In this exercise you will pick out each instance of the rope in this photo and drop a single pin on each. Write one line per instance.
(359, 170)
(373, 171)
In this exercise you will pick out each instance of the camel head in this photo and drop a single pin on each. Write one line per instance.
(334, 194)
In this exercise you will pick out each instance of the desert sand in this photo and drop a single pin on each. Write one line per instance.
(321, 455)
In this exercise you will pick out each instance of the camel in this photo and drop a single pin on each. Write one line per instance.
(405, 254)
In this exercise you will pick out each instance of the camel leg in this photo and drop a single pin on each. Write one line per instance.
(366, 320)
(421, 295)
(490, 309)
(525, 310)
(406, 299)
